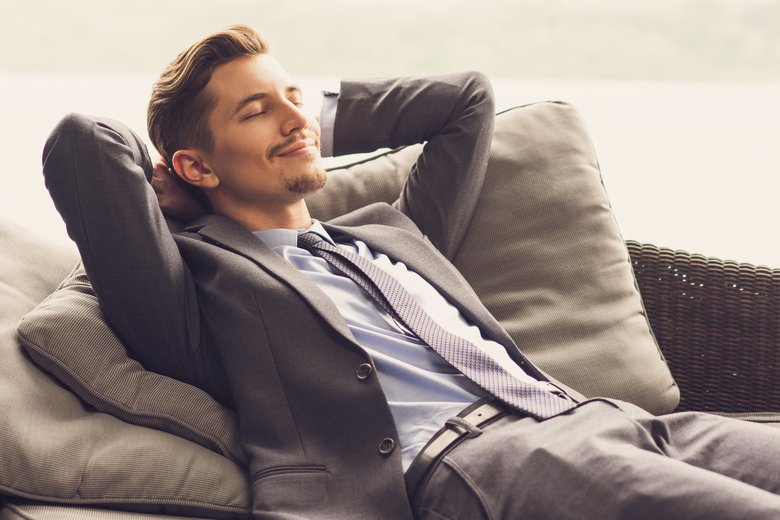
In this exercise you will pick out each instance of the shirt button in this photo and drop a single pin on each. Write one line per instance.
(387, 446)
(363, 371)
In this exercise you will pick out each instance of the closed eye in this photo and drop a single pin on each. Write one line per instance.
(253, 114)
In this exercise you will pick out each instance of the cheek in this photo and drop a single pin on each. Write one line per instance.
(314, 126)
(240, 147)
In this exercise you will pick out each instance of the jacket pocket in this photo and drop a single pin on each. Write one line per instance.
(287, 470)
(298, 491)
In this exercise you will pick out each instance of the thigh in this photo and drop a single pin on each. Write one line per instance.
(595, 462)
(746, 451)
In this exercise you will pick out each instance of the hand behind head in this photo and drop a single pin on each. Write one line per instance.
(174, 198)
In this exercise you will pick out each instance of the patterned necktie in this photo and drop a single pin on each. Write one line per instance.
(459, 352)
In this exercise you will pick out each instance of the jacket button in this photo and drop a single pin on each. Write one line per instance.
(363, 371)
(387, 446)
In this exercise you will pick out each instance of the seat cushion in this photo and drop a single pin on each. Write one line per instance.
(26, 510)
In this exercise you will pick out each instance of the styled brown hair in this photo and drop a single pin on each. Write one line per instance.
(177, 117)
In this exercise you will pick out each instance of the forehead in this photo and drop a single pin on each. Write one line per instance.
(233, 81)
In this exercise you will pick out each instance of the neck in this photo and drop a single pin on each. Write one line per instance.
(289, 216)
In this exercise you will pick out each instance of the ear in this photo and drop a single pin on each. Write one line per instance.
(190, 166)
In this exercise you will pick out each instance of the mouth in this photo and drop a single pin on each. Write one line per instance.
(301, 147)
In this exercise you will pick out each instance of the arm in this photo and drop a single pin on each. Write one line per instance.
(98, 174)
(454, 114)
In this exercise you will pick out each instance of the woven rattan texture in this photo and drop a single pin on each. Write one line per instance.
(717, 324)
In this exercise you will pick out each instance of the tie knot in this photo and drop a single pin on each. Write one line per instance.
(309, 240)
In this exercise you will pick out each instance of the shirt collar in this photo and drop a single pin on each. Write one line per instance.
(289, 237)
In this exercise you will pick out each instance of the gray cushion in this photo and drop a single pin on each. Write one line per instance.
(544, 253)
(67, 335)
(54, 447)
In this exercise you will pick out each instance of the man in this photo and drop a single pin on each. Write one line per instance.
(351, 404)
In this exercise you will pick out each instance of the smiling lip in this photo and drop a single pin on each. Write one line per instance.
(299, 148)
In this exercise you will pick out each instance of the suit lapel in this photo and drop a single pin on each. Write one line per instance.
(417, 253)
(228, 234)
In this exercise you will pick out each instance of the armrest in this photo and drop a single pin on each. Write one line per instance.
(718, 324)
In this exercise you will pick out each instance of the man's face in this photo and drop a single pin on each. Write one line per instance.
(266, 149)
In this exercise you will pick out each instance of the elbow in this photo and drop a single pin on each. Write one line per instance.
(67, 130)
(480, 92)
(79, 135)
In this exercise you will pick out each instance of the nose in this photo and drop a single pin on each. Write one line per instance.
(295, 119)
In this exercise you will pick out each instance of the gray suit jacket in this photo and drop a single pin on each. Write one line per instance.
(210, 304)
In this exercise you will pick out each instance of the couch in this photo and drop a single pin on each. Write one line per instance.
(87, 432)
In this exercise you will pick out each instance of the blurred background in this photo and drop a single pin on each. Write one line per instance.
(681, 97)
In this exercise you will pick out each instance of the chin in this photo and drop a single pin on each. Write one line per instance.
(308, 183)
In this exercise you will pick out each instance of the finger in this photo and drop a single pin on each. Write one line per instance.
(158, 183)
(158, 169)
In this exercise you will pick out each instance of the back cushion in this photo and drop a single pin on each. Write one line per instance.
(544, 253)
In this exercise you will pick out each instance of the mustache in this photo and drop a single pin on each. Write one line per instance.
(297, 136)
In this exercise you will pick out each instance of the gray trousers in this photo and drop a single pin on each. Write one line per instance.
(606, 460)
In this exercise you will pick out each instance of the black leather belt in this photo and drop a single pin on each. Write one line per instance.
(466, 425)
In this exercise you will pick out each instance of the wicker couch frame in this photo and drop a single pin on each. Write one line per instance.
(718, 325)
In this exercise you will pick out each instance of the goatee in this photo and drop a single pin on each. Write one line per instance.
(306, 183)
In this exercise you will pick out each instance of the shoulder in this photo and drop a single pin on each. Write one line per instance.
(378, 213)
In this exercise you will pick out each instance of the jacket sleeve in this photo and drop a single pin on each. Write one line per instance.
(98, 174)
(454, 115)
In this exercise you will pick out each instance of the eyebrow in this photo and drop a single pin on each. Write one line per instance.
(258, 96)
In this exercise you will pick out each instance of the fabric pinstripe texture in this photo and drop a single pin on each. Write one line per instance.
(462, 354)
